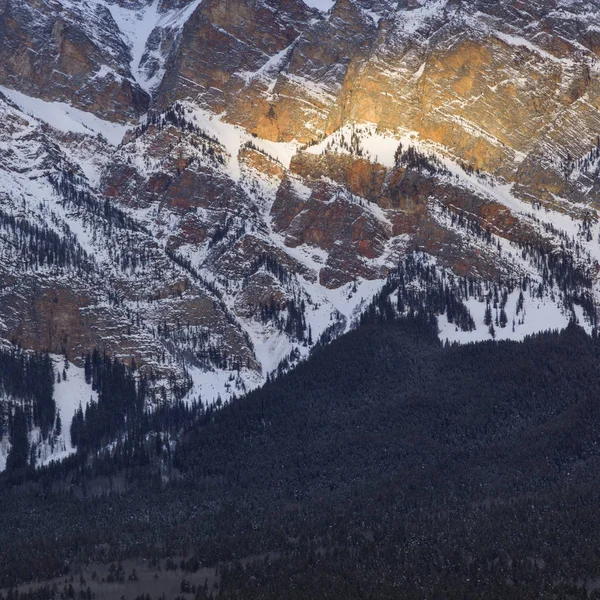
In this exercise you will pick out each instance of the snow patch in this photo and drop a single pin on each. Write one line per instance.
(273, 64)
(412, 21)
(137, 25)
(322, 5)
(538, 315)
(375, 16)
(64, 117)
(515, 40)
(69, 395)
(376, 146)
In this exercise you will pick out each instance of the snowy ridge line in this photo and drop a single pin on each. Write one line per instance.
(370, 140)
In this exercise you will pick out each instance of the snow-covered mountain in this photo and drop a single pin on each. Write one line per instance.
(207, 188)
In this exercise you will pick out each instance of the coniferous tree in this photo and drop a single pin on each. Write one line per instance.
(520, 302)
(58, 425)
(18, 456)
(487, 319)
(503, 318)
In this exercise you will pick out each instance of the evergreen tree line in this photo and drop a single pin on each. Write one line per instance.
(567, 266)
(252, 146)
(128, 244)
(557, 266)
(206, 347)
(73, 189)
(472, 226)
(186, 264)
(40, 247)
(352, 146)
(411, 158)
(26, 401)
(150, 442)
(175, 116)
(292, 321)
(120, 402)
(589, 163)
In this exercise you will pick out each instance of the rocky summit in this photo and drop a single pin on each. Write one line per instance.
(208, 189)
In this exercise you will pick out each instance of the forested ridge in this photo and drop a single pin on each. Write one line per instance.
(386, 466)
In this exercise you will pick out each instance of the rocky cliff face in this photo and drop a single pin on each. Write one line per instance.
(69, 53)
(207, 187)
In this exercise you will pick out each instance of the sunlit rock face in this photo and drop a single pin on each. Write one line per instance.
(493, 89)
(507, 88)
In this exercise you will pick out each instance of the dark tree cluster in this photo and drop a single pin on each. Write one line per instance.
(288, 317)
(423, 288)
(51, 592)
(559, 268)
(353, 145)
(128, 244)
(270, 263)
(26, 401)
(126, 410)
(199, 344)
(120, 401)
(588, 163)
(411, 158)
(74, 190)
(252, 146)
(568, 267)
(385, 466)
(28, 378)
(470, 225)
(230, 230)
(186, 264)
(175, 116)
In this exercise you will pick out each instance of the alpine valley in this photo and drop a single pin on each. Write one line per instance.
(237, 230)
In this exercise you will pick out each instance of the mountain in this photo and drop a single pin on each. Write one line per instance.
(204, 190)
(299, 298)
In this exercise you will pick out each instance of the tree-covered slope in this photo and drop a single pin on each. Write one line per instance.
(385, 466)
